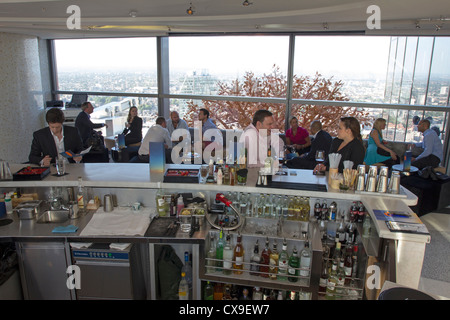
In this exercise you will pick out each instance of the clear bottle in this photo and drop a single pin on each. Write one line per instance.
(219, 176)
(340, 290)
(269, 207)
(305, 260)
(283, 262)
(265, 259)
(255, 260)
(238, 256)
(273, 264)
(219, 252)
(337, 253)
(285, 207)
(268, 163)
(226, 175)
(209, 292)
(180, 204)
(80, 194)
(183, 288)
(8, 204)
(277, 212)
(211, 254)
(294, 264)
(227, 256)
(332, 282)
(243, 204)
(341, 230)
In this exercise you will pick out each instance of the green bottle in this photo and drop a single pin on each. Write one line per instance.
(294, 264)
(209, 292)
(219, 252)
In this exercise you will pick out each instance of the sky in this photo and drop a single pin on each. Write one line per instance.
(230, 54)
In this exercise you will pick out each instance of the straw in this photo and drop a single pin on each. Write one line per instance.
(335, 159)
(348, 164)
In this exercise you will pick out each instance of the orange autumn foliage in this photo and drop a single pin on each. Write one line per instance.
(238, 114)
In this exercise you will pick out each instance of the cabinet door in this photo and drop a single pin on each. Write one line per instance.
(43, 270)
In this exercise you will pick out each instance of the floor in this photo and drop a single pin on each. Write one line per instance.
(435, 277)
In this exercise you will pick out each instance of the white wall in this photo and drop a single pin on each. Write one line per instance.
(21, 93)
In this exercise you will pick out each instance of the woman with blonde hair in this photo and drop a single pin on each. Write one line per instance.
(377, 151)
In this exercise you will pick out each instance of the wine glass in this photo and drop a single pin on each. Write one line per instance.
(320, 158)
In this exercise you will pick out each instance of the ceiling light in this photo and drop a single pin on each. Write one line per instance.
(246, 3)
(190, 11)
(133, 14)
(417, 25)
(325, 26)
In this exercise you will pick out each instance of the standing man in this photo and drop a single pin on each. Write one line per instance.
(432, 154)
(50, 141)
(157, 133)
(176, 123)
(321, 141)
(85, 125)
(258, 137)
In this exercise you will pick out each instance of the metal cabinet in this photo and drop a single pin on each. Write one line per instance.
(43, 268)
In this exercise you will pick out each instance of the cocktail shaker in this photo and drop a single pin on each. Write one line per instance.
(371, 184)
(394, 183)
(383, 180)
(108, 203)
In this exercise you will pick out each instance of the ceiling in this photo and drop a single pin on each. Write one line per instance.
(111, 18)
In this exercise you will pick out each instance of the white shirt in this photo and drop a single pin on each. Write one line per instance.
(253, 141)
(155, 134)
(59, 143)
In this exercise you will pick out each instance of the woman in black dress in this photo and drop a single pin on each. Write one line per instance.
(348, 143)
(133, 127)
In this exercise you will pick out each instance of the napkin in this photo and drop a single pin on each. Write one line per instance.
(65, 229)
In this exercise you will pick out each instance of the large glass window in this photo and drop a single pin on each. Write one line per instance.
(107, 65)
(439, 86)
(227, 65)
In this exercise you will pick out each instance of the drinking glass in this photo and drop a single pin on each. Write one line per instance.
(60, 166)
(320, 158)
(204, 172)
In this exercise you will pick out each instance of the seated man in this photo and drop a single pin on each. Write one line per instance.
(89, 136)
(50, 141)
(432, 154)
(321, 141)
(157, 133)
(85, 125)
(176, 123)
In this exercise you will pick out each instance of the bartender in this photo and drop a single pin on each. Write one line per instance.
(50, 141)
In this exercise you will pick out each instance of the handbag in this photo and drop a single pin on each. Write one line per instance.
(383, 152)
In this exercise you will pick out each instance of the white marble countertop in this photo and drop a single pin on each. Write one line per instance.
(137, 175)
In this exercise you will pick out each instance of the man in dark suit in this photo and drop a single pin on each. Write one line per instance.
(321, 141)
(85, 125)
(50, 141)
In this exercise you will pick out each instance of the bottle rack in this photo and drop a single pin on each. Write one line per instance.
(249, 277)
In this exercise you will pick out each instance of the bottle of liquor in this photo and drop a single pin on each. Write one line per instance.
(355, 262)
(317, 210)
(323, 276)
(337, 253)
(273, 264)
(291, 209)
(294, 264)
(245, 294)
(277, 212)
(305, 260)
(285, 207)
(367, 226)
(211, 254)
(209, 292)
(227, 256)
(183, 288)
(332, 282)
(80, 194)
(340, 290)
(238, 256)
(218, 291)
(255, 260)
(257, 294)
(268, 210)
(226, 175)
(268, 163)
(265, 259)
(187, 269)
(348, 264)
(341, 230)
(227, 293)
(283, 262)
(219, 252)
(324, 210)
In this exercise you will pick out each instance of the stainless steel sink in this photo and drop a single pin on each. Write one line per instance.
(53, 216)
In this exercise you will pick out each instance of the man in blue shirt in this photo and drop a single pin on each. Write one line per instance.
(203, 116)
(432, 153)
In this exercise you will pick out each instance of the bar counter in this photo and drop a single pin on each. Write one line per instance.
(132, 182)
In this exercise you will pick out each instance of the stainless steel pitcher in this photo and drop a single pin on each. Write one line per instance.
(394, 183)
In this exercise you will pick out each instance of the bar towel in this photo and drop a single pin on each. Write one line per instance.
(65, 229)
